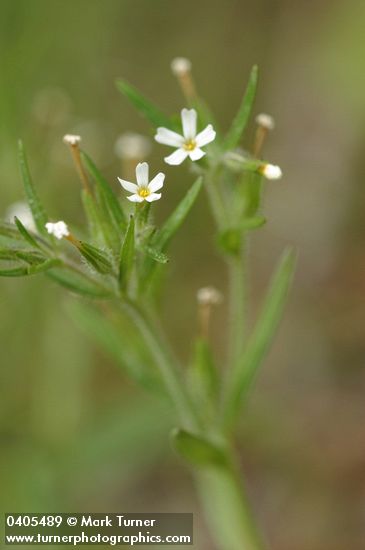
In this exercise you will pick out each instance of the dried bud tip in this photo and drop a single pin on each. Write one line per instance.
(266, 121)
(271, 172)
(71, 139)
(209, 296)
(132, 146)
(180, 65)
(58, 229)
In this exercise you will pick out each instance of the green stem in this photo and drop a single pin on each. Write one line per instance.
(166, 365)
(215, 199)
(226, 507)
(237, 302)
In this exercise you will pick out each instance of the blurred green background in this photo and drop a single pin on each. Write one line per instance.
(75, 433)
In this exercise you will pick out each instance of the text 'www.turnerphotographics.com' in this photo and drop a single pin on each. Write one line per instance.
(110, 529)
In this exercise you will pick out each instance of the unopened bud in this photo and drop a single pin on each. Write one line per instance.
(271, 171)
(209, 296)
(71, 139)
(266, 121)
(180, 65)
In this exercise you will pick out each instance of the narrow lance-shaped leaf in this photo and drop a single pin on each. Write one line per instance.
(95, 257)
(25, 233)
(38, 212)
(204, 379)
(106, 192)
(262, 336)
(127, 255)
(143, 105)
(102, 330)
(241, 119)
(9, 231)
(92, 215)
(78, 282)
(30, 270)
(196, 449)
(29, 256)
(162, 237)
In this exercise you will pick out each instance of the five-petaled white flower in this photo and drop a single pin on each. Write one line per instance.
(188, 145)
(143, 190)
(58, 229)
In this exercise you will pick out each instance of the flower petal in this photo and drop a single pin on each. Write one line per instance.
(188, 118)
(142, 174)
(157, 182)
(168, 137)
(205, 136)
(128, 186)
(177, 157)
(196, 154)
(153, 197)
(135, 198)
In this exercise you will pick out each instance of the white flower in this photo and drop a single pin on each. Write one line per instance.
(188, 145)
(58, 229)
(266, 121)
(271, 172)
(21, 211)
(209, 295)
(132, 146)
(71, 139)
(143, 190)
(180, 65)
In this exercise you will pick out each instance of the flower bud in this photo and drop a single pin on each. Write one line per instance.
(271, 171)
(209, 296)
(180, 65)
(266, 121)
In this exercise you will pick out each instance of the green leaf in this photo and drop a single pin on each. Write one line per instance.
(29, 256)
(196, 449)
(262, 336)
(25, 233)
(162, 237)
(9, 231)
(157, 256)
(204, 379)
(79, 283)
(95, 257)
(143, 105)
(230, 239)
(14, 272)
(241, 119)
(205, 115)
(106, 193)
(127, 256)
(38, 212)
(114, 340)
(30, 270)
(92, 215)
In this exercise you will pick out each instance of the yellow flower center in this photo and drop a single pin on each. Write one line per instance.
(144, 192)
(190, 145)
